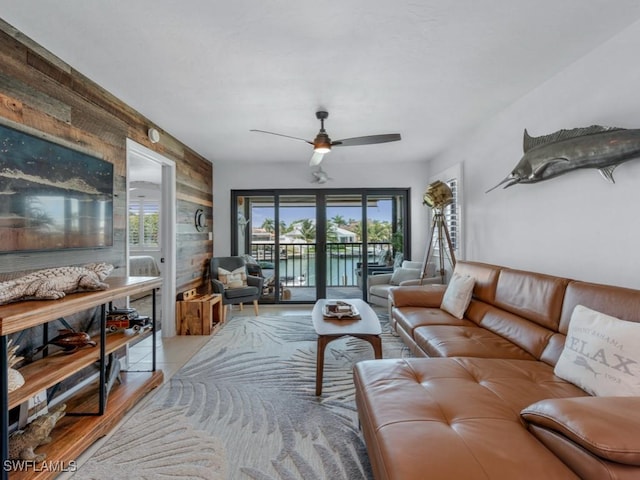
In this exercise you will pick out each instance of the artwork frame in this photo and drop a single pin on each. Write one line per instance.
(52, 197)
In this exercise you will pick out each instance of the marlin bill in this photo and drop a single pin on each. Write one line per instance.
(548, 156)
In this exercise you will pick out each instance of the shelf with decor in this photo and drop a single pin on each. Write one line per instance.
(54, 368)
(73, 434)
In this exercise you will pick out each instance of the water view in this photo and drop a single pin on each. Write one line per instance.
(297, 263)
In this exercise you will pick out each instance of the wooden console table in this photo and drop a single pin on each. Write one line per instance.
(74, 434)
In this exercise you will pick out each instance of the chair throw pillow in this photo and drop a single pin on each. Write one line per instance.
(601, 354)
(457, 296)
(234, 279)
(401, 274)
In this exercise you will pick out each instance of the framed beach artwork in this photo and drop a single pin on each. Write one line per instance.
(52, 197)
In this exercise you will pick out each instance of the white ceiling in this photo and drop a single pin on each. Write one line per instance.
(208, 71)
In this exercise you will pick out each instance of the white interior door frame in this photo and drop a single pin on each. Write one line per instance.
(167, 230)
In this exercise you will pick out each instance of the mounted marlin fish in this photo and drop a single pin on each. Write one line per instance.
(561, 152)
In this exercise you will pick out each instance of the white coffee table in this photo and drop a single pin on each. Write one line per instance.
(366, 327)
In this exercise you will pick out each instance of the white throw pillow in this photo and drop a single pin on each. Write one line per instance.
(457, 296)
(601, 354)
(401, 274)
(234, 279)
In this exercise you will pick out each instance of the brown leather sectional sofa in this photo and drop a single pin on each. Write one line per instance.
(486, 403)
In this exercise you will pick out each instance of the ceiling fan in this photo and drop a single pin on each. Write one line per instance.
(322, 143)
(320, 176)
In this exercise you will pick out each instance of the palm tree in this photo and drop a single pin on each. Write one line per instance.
(378, 231)
(307, 230)
(332, 234)
(284, 228)
(268, 225)
(356, 227)
(339, 220)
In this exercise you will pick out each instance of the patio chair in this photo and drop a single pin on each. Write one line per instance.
(382, 266)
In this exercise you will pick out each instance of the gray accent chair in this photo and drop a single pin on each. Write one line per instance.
(407, 274)
(235, 296)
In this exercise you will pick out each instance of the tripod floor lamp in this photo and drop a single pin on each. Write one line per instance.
(437, 196)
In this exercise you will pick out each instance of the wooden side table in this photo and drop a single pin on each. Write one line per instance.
(199, 314)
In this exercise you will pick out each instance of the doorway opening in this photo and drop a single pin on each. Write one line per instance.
(151, 219)
(315, 243)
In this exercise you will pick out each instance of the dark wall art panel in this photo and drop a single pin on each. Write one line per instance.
(52, 197)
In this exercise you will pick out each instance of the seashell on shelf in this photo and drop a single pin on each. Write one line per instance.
(16, 380)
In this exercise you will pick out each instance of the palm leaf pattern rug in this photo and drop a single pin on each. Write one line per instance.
(244, 407)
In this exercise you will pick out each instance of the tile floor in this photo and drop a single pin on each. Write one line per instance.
(173, 352)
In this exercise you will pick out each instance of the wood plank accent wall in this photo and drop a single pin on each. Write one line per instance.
(41, 93)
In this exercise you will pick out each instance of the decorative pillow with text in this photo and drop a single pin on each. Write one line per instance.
(601, 354)
(457, 296)
(234, 279)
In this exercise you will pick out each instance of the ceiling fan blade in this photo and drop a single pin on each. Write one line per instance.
(282, 135)
(316, 158)
(368, 140)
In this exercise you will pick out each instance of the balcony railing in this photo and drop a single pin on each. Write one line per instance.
(297, 261)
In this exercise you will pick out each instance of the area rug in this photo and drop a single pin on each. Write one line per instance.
(244, 407)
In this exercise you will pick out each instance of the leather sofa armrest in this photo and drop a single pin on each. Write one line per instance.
(428, 296)
(607, 427)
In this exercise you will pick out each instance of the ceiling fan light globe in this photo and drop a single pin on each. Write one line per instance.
(322, 143)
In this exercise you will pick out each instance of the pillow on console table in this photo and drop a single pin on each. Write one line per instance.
(235, 279)
(457, 296)
(601, 354)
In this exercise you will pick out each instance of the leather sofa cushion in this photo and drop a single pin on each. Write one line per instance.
(618, 302)
(527, 335)
(486, 278)
(533, 296)
(409, 318)
(460, 341)
(445, 418)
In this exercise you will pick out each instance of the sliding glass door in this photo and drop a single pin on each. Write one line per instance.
(344, 252)
(311, 244)
(298, 245)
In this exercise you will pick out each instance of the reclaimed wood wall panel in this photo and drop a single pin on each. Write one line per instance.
(40, 92)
